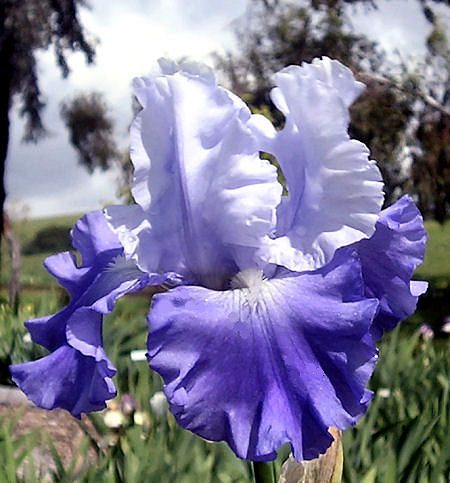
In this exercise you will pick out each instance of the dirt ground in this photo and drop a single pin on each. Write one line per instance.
(65, 431)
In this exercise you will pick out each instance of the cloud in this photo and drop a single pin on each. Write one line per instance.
(100, 186)
(395, 24)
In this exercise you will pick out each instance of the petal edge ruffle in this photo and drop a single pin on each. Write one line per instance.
(388, 261)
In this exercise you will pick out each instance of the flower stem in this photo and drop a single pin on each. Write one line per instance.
(263, 472)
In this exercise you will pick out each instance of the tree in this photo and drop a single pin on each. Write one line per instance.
(27, 26)
(276, 33)
(91, 130)
(431, 167)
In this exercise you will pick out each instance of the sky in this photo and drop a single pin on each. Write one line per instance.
(44, 179)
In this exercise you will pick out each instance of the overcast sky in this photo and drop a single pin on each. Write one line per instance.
(45, 178)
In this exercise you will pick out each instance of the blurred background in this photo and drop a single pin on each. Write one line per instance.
(65, 108)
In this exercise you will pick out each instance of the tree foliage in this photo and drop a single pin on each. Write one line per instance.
(393, 114)
(91, 130)
(430, 173)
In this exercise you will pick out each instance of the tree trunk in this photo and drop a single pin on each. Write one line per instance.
(5, 104)
(14, 278)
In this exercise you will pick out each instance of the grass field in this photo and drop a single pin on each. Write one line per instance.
(403, 438)
(436, 266)
(33, 273)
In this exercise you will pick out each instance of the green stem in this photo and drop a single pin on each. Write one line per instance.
(263, 472)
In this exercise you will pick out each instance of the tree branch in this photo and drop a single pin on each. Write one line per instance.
(389, 82)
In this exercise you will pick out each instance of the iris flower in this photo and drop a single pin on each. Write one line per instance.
(266, 332)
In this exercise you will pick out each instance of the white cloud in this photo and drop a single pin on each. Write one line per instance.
(101, 187)
(395, 25)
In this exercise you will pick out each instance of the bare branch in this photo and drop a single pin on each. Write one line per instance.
(367, 76)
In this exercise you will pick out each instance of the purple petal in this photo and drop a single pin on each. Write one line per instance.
(63, 267)
(94, 239)
(389, 259)
(82, 381)
(49, 331)
(84, 332)
(277, 361)
(67, 379)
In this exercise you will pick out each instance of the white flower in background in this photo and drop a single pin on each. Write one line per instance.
(384, 392)
(158, 403)
(114, 418)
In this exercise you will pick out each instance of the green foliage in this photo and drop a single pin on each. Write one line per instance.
(50, 239)
(163, 452)
(436, 266)
(15, 451)
(434, 305)
(15, 345)
(404, 437)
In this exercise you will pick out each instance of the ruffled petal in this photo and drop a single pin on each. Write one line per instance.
(95, 240)
(82, 382)
(204, 192)
(277, 361)
(335, 75)
(334, 190)
(388, 261)
(63, 267)
(67, 379)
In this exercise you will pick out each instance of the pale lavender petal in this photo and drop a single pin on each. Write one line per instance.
(335, 75)
(279, 361)
(205, 194)
(418, 287)
(389, 259)
(334, 190)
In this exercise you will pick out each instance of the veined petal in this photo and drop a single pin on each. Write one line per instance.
(67, 379)
(334, 190)
(204, 192)
(388, 261)
(77, 372)
(275, 361)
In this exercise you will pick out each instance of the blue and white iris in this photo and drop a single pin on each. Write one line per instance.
(267, 333)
